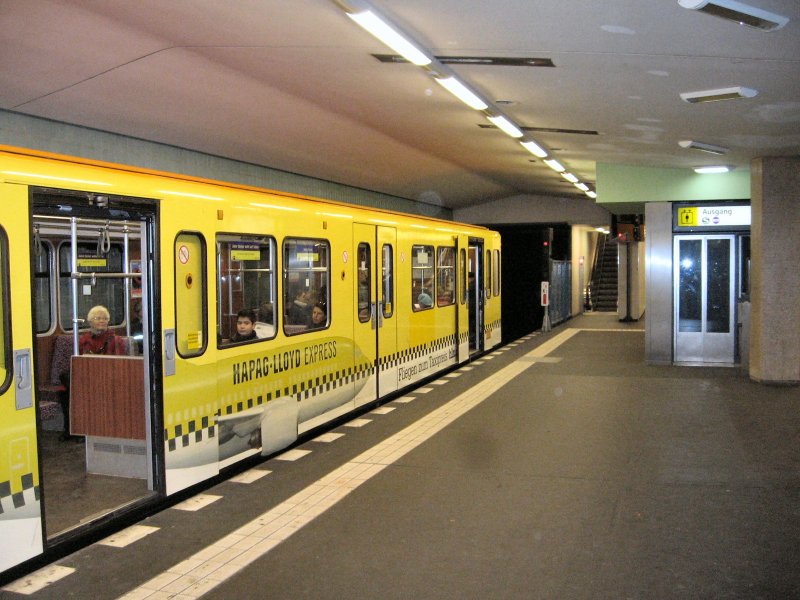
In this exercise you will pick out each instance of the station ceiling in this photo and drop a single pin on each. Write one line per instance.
(296, 85)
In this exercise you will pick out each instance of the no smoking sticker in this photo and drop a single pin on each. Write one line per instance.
(183, 254)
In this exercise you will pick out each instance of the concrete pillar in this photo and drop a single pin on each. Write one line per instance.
(775, 277)
(658, 269)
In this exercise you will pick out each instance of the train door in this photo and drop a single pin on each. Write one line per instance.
(475, 294)
(375, 329)
(704, 298)
(91, 271)
(387, 322)
(462, 306)
(20, 506)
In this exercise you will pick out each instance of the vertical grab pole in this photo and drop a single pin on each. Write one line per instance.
(74, 275)
(125, 266)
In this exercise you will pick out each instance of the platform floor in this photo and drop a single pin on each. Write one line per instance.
(560, 466)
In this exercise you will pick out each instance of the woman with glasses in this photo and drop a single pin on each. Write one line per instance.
(99, 339)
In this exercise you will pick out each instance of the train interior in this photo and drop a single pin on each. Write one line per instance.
(93, 409)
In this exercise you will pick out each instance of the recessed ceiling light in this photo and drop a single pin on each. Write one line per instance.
(710, 148)
(715, 169)
(741, 13)
(730, 93)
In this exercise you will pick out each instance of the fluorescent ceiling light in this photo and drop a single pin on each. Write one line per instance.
(582, 187)
(460, 91)
(730, 93)
(534, 148)
(706, 170)
(570, 177)
(738, 12)
(555, 165)
(391, 37)
(591, 194)
(507, 126)
(710, 148)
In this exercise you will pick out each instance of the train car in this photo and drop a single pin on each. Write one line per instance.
(232, 320)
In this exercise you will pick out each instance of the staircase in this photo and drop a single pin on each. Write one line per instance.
(604, 286)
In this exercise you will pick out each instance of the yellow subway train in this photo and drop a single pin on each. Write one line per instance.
(159, 328)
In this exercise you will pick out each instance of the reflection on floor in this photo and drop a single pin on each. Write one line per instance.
(72, 497)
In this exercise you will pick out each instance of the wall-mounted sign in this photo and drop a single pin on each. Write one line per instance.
(705, 217)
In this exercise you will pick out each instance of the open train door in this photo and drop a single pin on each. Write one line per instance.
(375, 323)
(96, 450)
(20, 508)
(462, 308)
(475, 294)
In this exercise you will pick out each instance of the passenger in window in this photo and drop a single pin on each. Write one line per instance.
(424, 298)
(98, 340)
(299, 311)
(245, 326)
(318, 317)
(266, 313)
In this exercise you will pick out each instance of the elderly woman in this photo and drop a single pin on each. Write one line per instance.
(99, 340)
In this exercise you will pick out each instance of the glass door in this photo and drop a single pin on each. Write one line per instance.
(704, 272)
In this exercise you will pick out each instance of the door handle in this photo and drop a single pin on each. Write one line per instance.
(23, 379)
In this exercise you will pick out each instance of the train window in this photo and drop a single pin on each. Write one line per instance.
(246, 284)
(496, 271)
(306, 285)
(190, 294)
(364, 267)
(462, 271)
(387, 275)
(422, 277)
(5, 330)
(488, 286)
(445, 276)
(109, 292)
(42, 286)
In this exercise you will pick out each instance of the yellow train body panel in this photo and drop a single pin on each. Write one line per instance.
(402, 298)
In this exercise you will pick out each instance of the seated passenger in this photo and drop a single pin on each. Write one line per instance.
(424, 299)
(299, 311)
(318, 317)
(98, 340)
(245, 326)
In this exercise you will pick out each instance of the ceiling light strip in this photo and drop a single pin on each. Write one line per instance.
(738, 12)
(555, 165)
(505, 125)
(363, 14)
(391, 37)
(462, 92)
(534, 149)
(731, 93)
(710, 148)
(713, 169)
(570, 177)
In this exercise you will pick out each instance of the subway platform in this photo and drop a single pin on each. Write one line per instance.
(559, 466)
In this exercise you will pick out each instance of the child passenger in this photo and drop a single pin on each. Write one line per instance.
(245, 326)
